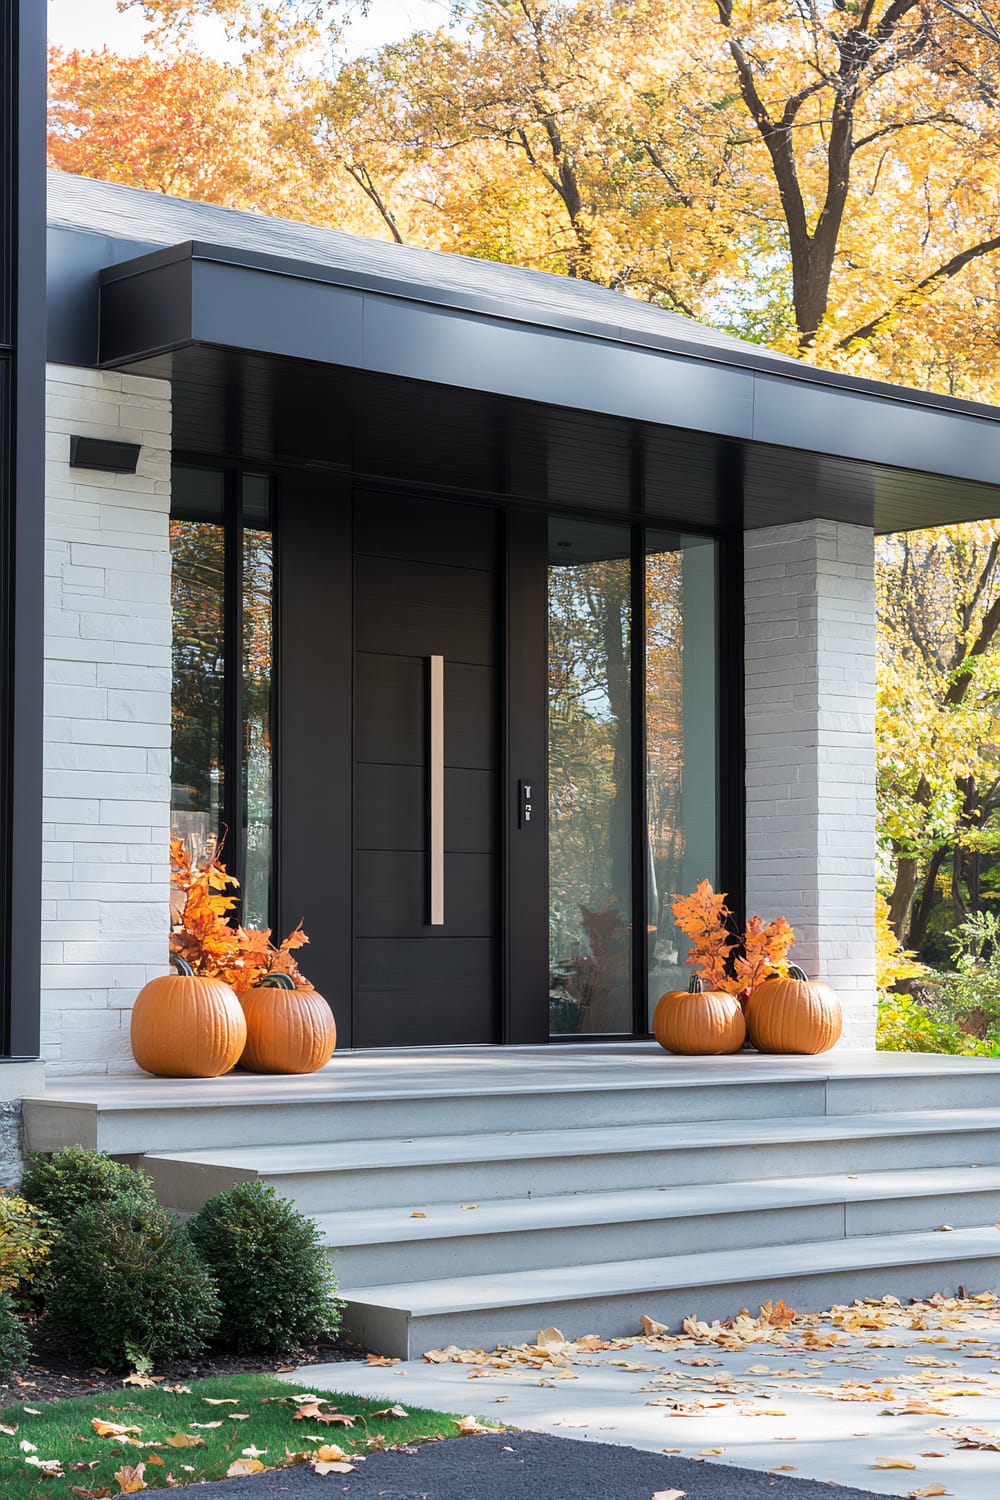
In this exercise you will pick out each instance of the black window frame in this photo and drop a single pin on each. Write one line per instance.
(233, 815)
(22, 510)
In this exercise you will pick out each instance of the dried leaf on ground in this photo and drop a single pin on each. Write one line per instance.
(470, 1426)
(185, 1440)
(112, 1429)
(893, 1463)
(241, 1467)
(50, 1466)
(130, 1480)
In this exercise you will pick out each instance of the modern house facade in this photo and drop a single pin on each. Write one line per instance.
(503, 609)
(476, 613)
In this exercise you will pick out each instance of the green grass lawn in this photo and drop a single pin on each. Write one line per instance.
(193, 1433)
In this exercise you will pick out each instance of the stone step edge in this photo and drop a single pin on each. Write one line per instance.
(602, 1280)
(614, 1140)
(348, 1093)
(355, 1228)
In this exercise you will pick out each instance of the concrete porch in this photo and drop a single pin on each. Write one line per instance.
(475, 1195)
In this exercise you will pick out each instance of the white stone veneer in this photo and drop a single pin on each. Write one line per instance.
(810, 727)
(105, 893)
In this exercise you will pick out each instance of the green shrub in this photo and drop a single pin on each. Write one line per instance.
(76, 1178)
(14, 1349)
(25, 1242)
(273, 1275)
(905, 1024)
(126, 1287)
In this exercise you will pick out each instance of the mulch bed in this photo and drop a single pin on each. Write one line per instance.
(50, 1376)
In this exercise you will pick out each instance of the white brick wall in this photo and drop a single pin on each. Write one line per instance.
(810, 726)
(105, 894)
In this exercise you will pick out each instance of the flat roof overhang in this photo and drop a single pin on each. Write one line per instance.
(811, 442)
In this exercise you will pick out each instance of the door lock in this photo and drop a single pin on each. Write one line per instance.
(525, 807)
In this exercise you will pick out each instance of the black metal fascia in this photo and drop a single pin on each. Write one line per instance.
(200, 293)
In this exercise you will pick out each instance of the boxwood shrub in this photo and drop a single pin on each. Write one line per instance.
(275, 1282)
(127, 1288)
(76, 1178)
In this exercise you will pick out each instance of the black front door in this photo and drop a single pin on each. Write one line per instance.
(425, 773)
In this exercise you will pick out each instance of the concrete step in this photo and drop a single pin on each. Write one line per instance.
(414, 1172)
(393, 1095)
(459, 1239)
(609, 1298)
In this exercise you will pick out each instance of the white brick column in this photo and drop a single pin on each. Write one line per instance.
(810, 727)
(105, 912)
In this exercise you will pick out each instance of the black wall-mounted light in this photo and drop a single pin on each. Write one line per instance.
(102, 453)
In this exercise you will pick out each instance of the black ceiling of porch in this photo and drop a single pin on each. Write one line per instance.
(271, 411)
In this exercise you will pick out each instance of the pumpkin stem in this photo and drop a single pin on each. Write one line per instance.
(181, 965)
(695, 987)
(794, 972)
(282, 982)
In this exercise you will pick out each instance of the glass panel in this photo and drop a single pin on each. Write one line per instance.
(680, 740)
(198, 664)
(258, 566)
(590, 988)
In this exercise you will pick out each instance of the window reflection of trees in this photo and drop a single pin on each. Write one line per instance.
(664, 752)
(198, 666)
(589, 796)
(257, 655)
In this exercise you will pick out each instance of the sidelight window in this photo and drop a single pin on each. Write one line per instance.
(222, 558)
(632, 764)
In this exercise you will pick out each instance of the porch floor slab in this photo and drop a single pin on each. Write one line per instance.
(428, 1072)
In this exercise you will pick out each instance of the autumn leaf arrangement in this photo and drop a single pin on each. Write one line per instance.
(204, 937)
(746, 989)
(730, 962)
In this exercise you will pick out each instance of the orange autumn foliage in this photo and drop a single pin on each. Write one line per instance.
(211, 944)
(735, 965)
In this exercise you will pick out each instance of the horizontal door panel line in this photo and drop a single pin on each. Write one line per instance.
(462, 567)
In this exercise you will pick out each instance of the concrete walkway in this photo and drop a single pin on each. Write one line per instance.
(839, 1397)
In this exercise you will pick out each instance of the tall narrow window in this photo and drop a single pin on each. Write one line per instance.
(222, 592)
(198, 571)
(590, 754)
(680, 739)
(258, 579)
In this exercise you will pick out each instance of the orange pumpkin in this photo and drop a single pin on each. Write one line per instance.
(699, 1022)
(794, 1015)
(289, 1030)
(186, 1026)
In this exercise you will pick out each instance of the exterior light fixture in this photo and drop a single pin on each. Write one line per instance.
(101, 453)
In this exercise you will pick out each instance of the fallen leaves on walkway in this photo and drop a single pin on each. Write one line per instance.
(971, 1437)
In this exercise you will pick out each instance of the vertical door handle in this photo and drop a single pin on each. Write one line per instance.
(435, 790)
